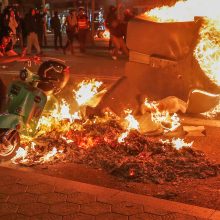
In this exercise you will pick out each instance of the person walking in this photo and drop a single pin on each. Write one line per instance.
(31, 27)
(11, 22)
(128, 15)
(56, 26)
(41, 27)
(71, 30)
(117, 39)
(83, 26)
(111, 16)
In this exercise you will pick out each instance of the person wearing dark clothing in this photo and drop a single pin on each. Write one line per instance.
(23, 31)
(40, 19)
(71, 30)
(56, 26)
(128, 15)
(117, 39)
(6, 46)
(31, 28)
(111, 16)
(83, 26)
(19, 30)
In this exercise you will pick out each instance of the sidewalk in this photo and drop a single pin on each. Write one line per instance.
(36, 196)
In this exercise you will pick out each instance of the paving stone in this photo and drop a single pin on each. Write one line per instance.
(34, 208)
(64, 208)
(28, 181)
(3, 197)
(9, 217)
(198, 218)
(22, 198)
(177, 216)
(111, 216)
(79, 216)
(127, 208)
(47, 216)
(7, 180)
(22, 217)
(81, 198)
(145, 216)
(13, 189)
(95, 208)
(15, 217)
(40, 188)
(215, 216)
(155, 210)
(52, 198)
(7, 208)
(66, 190)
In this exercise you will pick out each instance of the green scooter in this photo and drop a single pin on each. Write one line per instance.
(27, 99)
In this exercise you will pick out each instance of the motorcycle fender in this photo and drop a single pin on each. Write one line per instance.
(9, 121)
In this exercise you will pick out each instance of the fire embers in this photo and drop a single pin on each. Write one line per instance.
(115, 144)
(138, 158)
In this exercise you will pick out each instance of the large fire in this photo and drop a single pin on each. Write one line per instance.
(113, 143)
(207, 51)
(62, 120)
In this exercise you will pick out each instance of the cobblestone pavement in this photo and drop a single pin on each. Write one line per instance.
(25, 195)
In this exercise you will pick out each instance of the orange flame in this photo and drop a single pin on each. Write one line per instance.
(21, 154)
(131, 124)
(213, 112)
(207, 51)
(49, 155)
(180, 143)
(87, 89)
(60, 113)
(167, 121)
(106, 34)
(185, 11)
(177, 143)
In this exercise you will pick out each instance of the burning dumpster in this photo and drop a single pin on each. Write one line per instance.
(170, 54)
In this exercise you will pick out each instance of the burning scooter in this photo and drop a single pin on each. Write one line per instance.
(27, 100)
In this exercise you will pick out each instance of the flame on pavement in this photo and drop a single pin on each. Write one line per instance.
(169, 122)
(86, 90)
(130, 123)
(49, 155)
(177, 143)
(62, 122)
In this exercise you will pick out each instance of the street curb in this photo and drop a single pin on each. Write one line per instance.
(104, 194)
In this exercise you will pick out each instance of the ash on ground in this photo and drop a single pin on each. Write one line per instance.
(139, 158)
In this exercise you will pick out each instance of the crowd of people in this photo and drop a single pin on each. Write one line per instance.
(29, 31)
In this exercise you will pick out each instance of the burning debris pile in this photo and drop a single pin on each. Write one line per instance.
(113, 144)
(137, 157)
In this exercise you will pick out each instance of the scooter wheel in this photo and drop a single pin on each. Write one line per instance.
(9, 143)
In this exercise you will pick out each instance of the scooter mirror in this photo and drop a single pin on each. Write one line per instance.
(23, 74)
(28, 76)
